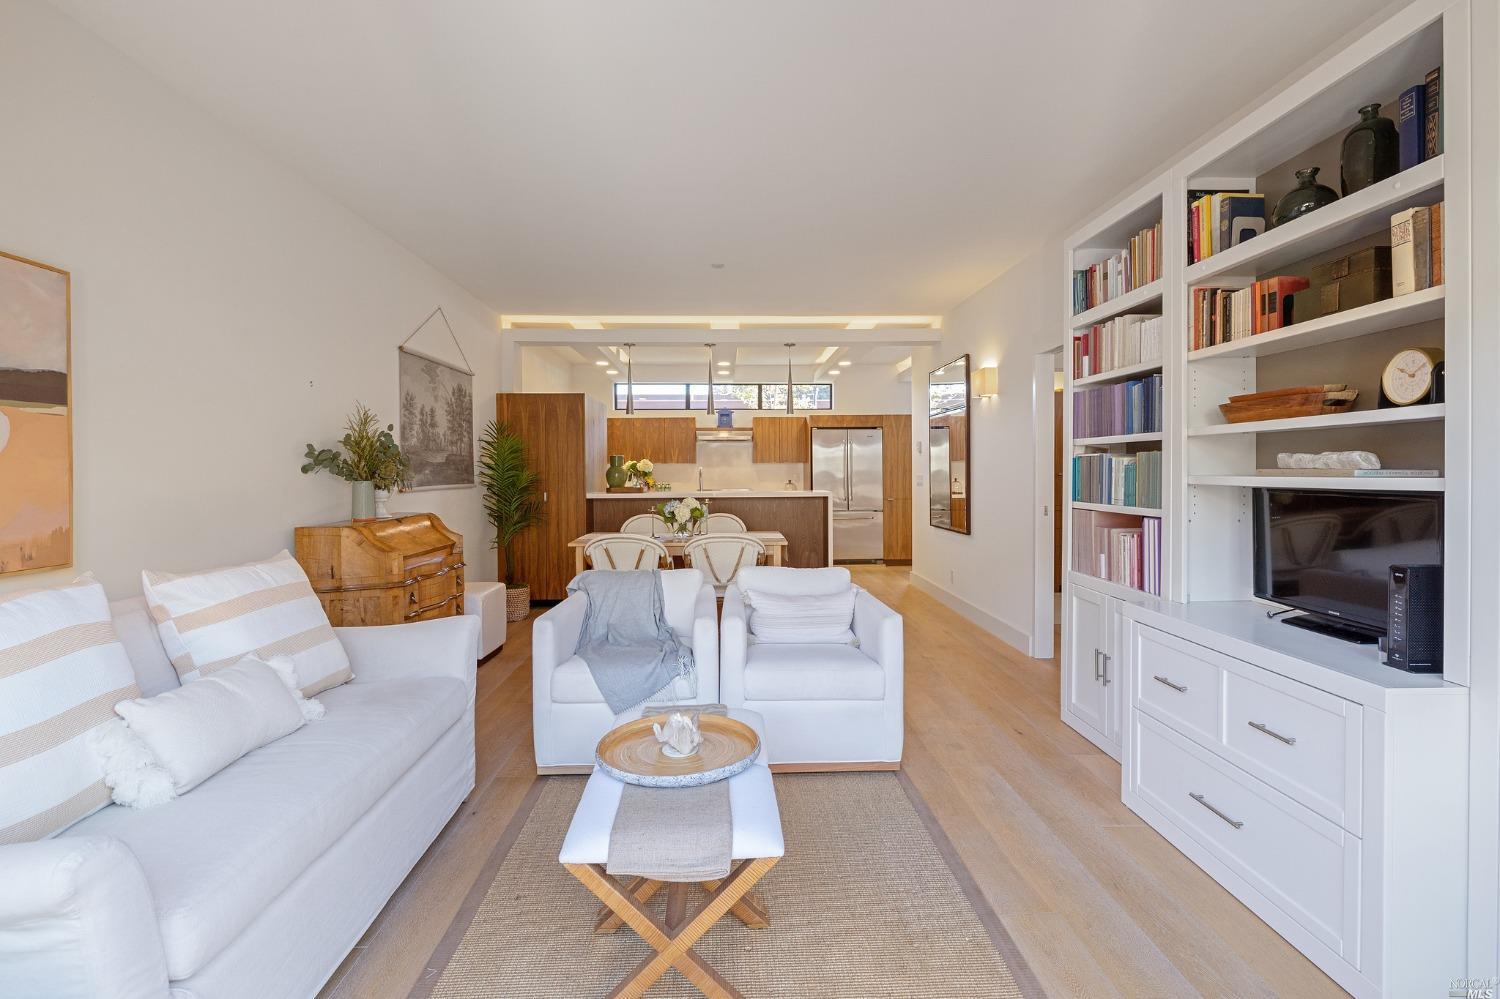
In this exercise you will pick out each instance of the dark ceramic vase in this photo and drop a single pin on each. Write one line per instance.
(1307, 196)
(1372, 151)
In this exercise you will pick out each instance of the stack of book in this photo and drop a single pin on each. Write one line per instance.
(1118, 548)
(1132, 407)
(1222, 315)
(1138, 264)
(1417, 249)
(1118, 479)
(1218, 220)
(1119, 343)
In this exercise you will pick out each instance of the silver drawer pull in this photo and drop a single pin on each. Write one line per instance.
(1175, 686)
(1204, 802)
(1290, 740)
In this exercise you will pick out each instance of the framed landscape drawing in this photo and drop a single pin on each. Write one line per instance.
(36, 435)
(437, 421)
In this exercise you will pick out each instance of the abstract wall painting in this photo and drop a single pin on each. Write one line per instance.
(36, 437)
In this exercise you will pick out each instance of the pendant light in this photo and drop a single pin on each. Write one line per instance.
(629, 379)
(710, 404)
(789, 347)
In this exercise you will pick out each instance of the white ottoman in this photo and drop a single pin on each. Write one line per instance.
(486, 601)
(756, 846)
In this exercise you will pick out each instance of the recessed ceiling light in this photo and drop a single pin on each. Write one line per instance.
(835, 371)
(723, 364)
(610, 371)
(602, 364)
(717, 267)
(845, 364)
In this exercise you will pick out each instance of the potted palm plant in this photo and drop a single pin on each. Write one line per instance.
(373, 463)
(511, 502)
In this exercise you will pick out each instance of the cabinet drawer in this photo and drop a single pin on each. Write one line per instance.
(1306, 866)
(1298, 739)
(1175, 681)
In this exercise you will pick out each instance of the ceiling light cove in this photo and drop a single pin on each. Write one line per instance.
(516, 322)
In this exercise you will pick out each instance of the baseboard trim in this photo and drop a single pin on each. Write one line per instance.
(832, 768)
(1003, 630)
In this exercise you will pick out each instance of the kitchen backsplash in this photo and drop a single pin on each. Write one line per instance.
(727, 465)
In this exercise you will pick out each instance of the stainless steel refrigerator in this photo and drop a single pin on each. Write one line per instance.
(849, 464)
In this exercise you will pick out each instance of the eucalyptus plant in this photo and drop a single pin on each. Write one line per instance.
(373, 454)
(512, 499)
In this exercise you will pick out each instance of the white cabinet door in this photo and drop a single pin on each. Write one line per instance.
(1087, 643)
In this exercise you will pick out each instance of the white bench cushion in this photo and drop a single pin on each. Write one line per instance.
(752, 802)
(216, 856)
(812, 673)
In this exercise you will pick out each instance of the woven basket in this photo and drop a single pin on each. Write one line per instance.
(517, 602)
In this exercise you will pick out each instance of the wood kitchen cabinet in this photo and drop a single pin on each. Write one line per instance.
(669, 439)
(780, 440)
(566, 436)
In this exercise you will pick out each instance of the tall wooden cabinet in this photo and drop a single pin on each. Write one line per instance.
(895, 474)
(566, 438)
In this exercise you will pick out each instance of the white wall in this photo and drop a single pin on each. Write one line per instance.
(225, 313)
(543, 369)
(987, 575)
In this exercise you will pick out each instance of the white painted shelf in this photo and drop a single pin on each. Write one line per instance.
(1379, 485)
(1393, 313)
(1119, 305)
(1112, 588)
(1124, 374)
(1358, 418)
(1361, 214)
(1134, 511)
(1116, 439)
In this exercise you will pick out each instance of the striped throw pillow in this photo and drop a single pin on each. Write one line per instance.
(62, 670)
(212, 619)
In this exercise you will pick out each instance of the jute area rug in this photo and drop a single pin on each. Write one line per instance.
(870, 901)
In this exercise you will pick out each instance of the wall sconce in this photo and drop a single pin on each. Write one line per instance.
(987, 382)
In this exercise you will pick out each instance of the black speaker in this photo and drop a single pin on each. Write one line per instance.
(1415, 633)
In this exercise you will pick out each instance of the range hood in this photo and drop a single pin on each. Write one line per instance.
(711, 434)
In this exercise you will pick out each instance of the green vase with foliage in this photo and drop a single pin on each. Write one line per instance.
(371, 460)
(512, 499)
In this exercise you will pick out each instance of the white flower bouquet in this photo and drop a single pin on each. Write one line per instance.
(682, 516)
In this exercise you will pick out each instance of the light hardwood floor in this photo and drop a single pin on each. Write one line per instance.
(1099, 904)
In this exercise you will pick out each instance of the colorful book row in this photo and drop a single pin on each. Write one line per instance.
(1137, 265)
(1132, 407)
(1222, 315)
(1218, 220)
(1120, 343)
(1119, 548)
(1118, 479)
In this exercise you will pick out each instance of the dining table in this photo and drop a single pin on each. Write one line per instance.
(773, 541)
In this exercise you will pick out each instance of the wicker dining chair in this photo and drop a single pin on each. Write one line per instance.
(627, 551)
(720, 557)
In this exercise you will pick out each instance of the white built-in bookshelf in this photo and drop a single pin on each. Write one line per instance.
(1211, 467)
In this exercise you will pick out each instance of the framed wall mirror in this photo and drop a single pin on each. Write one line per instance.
(948, 445)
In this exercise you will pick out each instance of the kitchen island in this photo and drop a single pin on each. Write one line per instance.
(805, 516)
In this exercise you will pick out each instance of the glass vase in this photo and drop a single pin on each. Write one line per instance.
(1371, 152)
(1307, 196)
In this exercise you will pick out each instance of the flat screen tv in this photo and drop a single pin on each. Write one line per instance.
(1329, 553)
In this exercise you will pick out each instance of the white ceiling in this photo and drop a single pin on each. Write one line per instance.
(836, 156)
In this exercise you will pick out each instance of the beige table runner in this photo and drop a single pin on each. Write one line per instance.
(673, 833)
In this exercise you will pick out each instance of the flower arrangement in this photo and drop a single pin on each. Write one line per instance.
(681, 516)
(638, 472)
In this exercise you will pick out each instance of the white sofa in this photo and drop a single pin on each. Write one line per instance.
(258, 882)
(826, 707)
(568, 713)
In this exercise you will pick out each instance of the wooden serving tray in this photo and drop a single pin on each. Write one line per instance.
(624, 489)
(630, 753)
(1287, 404)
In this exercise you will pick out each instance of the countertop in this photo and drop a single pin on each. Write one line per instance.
(718, 494)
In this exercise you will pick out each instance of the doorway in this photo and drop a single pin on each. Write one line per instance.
(1047, 431)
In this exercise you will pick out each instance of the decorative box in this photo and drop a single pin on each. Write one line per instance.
(1359, 278)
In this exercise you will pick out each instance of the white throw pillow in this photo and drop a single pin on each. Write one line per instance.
(210, 620)
(792, 582)
(780, 619)
(200, 728)
(62, 669)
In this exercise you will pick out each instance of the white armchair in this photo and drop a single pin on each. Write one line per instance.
(568, 713)
(826, 707)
